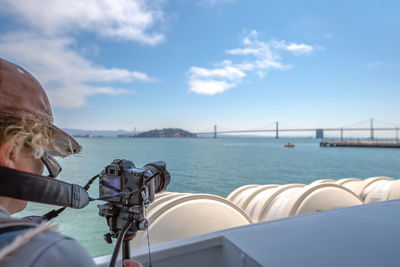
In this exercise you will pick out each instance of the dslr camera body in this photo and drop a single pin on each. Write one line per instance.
(128, 190)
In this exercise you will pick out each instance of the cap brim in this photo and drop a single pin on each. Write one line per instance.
(64, 143)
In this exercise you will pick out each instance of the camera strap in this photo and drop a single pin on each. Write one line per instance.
(37, 188)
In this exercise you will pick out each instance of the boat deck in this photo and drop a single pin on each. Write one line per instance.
(365, 235)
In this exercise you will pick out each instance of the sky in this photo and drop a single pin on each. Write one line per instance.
(146, 64)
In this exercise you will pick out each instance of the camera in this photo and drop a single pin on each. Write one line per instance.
(128, 190)
(122, 183)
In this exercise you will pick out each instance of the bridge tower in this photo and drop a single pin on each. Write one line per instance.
(277, 130)
(215, 131)
(319, 133)
(372, 129)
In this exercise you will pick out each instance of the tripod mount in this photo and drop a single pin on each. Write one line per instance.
(123, 223)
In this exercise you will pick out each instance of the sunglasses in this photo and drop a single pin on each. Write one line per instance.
(51, 164)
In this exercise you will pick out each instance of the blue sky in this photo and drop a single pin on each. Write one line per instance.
(120, 64)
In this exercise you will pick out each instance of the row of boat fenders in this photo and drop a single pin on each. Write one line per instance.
(175, 215)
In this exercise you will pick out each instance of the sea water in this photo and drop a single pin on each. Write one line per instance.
(214, 166)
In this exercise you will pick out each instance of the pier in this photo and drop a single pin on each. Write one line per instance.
(361, 143)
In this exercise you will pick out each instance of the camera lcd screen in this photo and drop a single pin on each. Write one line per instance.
(111, 185)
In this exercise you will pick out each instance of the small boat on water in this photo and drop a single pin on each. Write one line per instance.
(288, 144)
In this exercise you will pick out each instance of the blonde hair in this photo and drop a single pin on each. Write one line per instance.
(37, 136)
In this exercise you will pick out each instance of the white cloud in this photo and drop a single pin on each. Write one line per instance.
(244, 51)
(228, 72)
(259, 57)
(299, 48)
(294, 48)
(78, 93)
(64, 73)
(209, 86)
(213, 81)
(48, 48)
(123, 19)
(247, 40)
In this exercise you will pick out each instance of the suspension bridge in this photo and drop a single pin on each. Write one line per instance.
(373, 127)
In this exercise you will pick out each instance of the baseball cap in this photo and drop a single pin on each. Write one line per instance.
(21, 95)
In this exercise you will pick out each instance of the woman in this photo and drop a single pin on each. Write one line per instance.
(28, 142)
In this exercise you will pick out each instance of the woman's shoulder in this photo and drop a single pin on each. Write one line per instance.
(49, 248)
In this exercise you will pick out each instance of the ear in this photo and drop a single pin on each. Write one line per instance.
(9, 152)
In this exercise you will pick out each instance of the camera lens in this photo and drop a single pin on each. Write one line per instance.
(162, 179)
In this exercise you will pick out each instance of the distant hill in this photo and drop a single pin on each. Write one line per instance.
(169, 132)
(102, 133)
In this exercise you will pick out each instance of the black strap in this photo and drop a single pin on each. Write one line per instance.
(13, 228)
(31, 187)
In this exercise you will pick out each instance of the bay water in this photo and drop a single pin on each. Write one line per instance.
(214, 166)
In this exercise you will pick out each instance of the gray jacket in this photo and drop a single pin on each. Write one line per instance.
(47, 249)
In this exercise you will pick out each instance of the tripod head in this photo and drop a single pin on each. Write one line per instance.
(118, 216)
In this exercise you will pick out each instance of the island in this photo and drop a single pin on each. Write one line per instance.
(167, 132)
